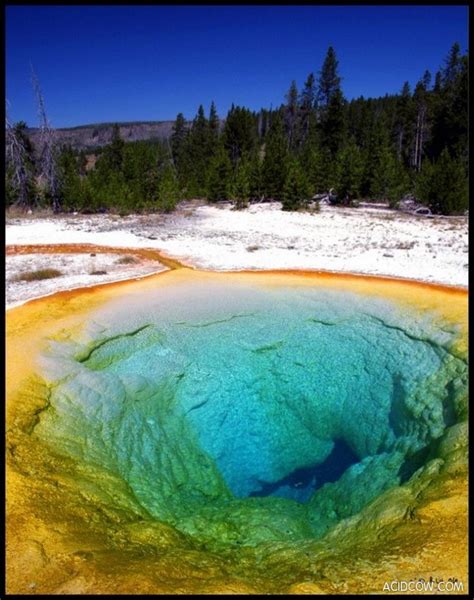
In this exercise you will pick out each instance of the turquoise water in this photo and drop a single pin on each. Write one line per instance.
(267, 411)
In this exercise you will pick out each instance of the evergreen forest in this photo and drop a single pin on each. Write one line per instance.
(414, 143)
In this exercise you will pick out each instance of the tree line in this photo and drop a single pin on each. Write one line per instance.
(414, 142)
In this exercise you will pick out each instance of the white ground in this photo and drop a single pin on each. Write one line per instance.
(358, 240)
(78, 270)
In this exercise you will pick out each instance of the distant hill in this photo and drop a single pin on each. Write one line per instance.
(88, 137)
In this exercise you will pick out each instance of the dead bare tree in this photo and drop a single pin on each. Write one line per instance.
(421, 101)
(420, 133)
(16, 161)
(48, 159)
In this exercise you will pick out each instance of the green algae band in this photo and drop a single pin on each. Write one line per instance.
(242, 414)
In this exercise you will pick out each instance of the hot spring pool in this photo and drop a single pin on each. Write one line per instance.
(244, 414)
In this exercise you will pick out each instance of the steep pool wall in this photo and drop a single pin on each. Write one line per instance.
(247, 432)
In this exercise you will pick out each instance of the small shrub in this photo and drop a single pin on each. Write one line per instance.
(37, 275)
(405, 245)
(126, 260)
(252, 248)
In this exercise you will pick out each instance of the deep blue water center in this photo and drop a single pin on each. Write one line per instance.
(202, 394)
(301, 483)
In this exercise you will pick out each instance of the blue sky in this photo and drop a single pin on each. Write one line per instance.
(130, 63)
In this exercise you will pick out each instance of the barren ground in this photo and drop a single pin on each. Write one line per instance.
(364, 240)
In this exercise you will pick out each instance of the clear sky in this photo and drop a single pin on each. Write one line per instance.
(132, 63)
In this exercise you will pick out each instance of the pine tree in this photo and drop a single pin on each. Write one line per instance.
(69, 189)
(378, 180)
(400, 185)
(331, 104)
(140, 170)
(199, 154)
(242, 183)
(424, 185)
(296, 192)
(329, 80)
(168, 189)
(263, 123)
(181, 152)
(460, 120)
(291, 116)
(388, 181)
(111, 192)
(213, 124)
(333, 124)
(404, 124)
(349, 172)
(376, 139)
(453, 66)
(307, 107)
(256, 187)
(314, 165)
(219, 184)
(384, 177)
(444, 185)
(275, 162)
(450, 108)
(178, 139)
(239, 134)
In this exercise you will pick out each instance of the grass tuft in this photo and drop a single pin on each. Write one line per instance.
(127, 260)
(37, 275)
